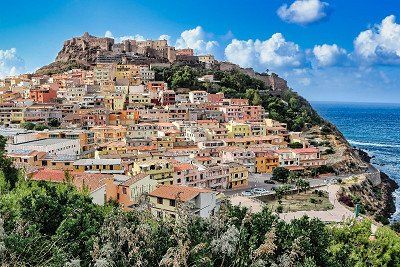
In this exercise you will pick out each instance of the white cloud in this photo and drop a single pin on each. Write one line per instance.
(136, 37)
(329, 55)
(380, 44)
(305, 81)
(108, 34)
(197, 40)
(10, 63)
(164, 37)
(274, 53)
(241, 52)
(120, 39)
(303, 11)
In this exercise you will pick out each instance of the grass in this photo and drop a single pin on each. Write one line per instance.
(301, 202)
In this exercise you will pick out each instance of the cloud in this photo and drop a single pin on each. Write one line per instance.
(164, 37)
(274, 53)
(303, 11)
(381, 44)
(136, 37)
(328, 55)
(305, 81)
(197, 40)
(120, 39)
(108, 34)
(10, 63)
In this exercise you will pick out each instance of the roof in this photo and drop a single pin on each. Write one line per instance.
(45, 142)
(184, 167)
(98, 162)
(92, 181)
(184, 193)
(134, 179)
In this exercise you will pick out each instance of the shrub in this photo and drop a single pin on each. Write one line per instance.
(279, 209)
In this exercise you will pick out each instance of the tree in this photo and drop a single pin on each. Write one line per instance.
(28, 125)
(54, 123)
(296, 145)
(40, 127)
(280, 174)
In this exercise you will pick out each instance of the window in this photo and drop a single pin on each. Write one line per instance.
(124, 190)
(172, 202)
(159, 200)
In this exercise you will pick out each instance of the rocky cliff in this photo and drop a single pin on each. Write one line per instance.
(78, 52)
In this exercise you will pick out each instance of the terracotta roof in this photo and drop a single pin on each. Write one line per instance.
(134, 179)
(185, 193)
(203, 158)
(184, 167)
(92, 181)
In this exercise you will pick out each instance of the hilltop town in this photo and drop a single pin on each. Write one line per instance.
(139, 118)
(140, 154)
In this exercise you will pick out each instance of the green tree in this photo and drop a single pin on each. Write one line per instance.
(40, 127)
(54, 123)
(280, 174)
(28, 125)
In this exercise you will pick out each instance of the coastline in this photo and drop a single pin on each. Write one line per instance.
(388, 185)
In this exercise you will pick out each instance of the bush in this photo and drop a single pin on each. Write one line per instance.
(329, 151)
(280, 174)
(296, 145)
(279, 209)
(347, 200)
(382, 219)
(28, 125)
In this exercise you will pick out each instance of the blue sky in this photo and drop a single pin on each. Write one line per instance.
(327, 49)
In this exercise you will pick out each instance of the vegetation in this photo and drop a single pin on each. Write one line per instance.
(280, 174)
(33, 126)
(54, 123)
(295, 145)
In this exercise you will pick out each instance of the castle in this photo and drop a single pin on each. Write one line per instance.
(89, 48)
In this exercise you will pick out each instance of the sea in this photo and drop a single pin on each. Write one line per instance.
(373, 127)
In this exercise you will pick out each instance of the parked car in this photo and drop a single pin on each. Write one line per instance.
(247, 193)
(260, 191)
(268, 181)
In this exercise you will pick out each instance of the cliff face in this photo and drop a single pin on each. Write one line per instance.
(78, 52)
(84, 48)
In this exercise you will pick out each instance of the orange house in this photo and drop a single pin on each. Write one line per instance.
(42, 95)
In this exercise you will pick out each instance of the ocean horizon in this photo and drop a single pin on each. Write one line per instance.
(372, 127)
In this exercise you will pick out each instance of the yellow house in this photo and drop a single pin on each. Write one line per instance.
(266, 161)
(163, 142)
(160, 170)
(139, 98)
(237, 129)
(107, 166)
(109, 133)
(238, 175)
(166, 198)
(125, 71)
(114, 102)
